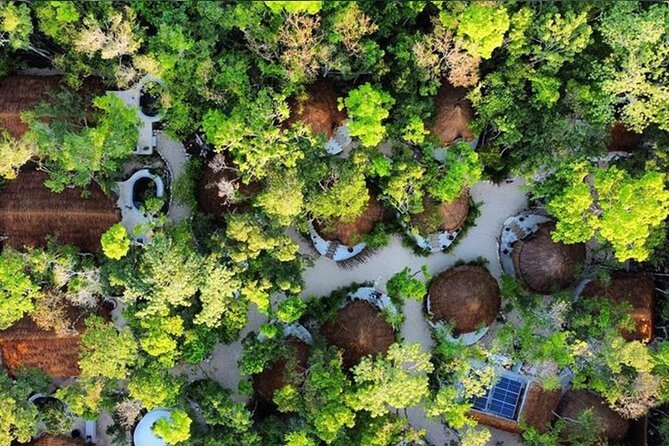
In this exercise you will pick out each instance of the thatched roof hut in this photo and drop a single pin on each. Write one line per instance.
(446, 216)
(220, 188)
(544, 265)
(318, 109)
(359, 330)
(610, 425)
(635, 290)
(466, 296)
(30, 213)
(453, 112)
(622, 139)
(274, 376)
(57, 440)
(20, 93)
(351, 234)
(537, 411)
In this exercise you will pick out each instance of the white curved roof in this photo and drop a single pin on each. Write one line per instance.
(144, 435)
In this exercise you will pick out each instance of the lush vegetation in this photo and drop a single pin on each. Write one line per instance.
(547, 82)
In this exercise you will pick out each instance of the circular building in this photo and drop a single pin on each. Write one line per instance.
(436, 227)
(453, 112)
(467, 297)
(543, 265)
(318, 109)
(610, 425)
(221, 190)
(635, 290)
(276, 374)
(143, 435)
(359, 330)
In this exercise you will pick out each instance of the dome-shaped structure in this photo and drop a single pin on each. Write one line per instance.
(359, 330)
(351, 234)
(274, 376)
(544, 265)
(143, 435)
(318, 109)
(466, 296)
(442, 216)
(635, 290)
(220, 189)
(610, 425)
(453, 112)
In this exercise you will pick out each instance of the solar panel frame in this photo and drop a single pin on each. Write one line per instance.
(503, 399)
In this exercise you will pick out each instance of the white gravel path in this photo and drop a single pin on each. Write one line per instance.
(498, 203)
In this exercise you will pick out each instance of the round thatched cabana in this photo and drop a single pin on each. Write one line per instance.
(359, 330)
(221, 190)
(465, 296)
(544, 265)
(446, 216)
(610, 425)
(635, 290)
(275, 375)
(350, 234)
(453, 112)
(318, 109)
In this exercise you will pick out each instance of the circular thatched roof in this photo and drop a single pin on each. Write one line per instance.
(448, 216)
(274, 376)
(466, 296)
(220, 188)
(351, 234)
(544, 265)
(611, 425)
(452, 116)
(638, 291)
(623, 140)
(318, 109)
(359, 330)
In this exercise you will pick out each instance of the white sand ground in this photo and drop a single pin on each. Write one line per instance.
(498, 203)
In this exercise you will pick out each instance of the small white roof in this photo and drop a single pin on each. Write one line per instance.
(144, 435)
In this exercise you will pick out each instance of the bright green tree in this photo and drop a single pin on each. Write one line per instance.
(481, 26)
(106, 352)
(19, 292)
(174, 430)
(367, 107)
(115, 242)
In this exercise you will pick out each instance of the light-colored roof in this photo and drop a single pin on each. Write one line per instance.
(144, 435)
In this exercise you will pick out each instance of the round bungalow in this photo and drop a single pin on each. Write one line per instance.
(436, 228)
(143, 435)
(610, 425)
(636, 290)
(467, 298)
(528, 252)
(453, 113)
(359, 328)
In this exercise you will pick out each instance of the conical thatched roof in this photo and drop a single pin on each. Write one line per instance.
(466, 296)
(449, 216)
(453, 114)
(636, 290)
(544, 265)
(623, 140)
(30, 213)
(215, 200)
(21, 93)
(318, 109)
(274, 376)
(359, 330)
(351, 234)
(56, 440)
(611, 425)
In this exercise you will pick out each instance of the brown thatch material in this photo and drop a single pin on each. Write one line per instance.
(623, 140)
(538, 411)
(21, 93)
(318, 109)
(638, 291)
(30, 213)
(208, 193)
(448, 216)
(611, 425)
(453, 114)
(274, 376)
(359, 330)
(351, 234)
(544, 265)
(466, 296)
(60, 440)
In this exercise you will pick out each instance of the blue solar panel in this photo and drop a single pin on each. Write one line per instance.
(502, 400)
